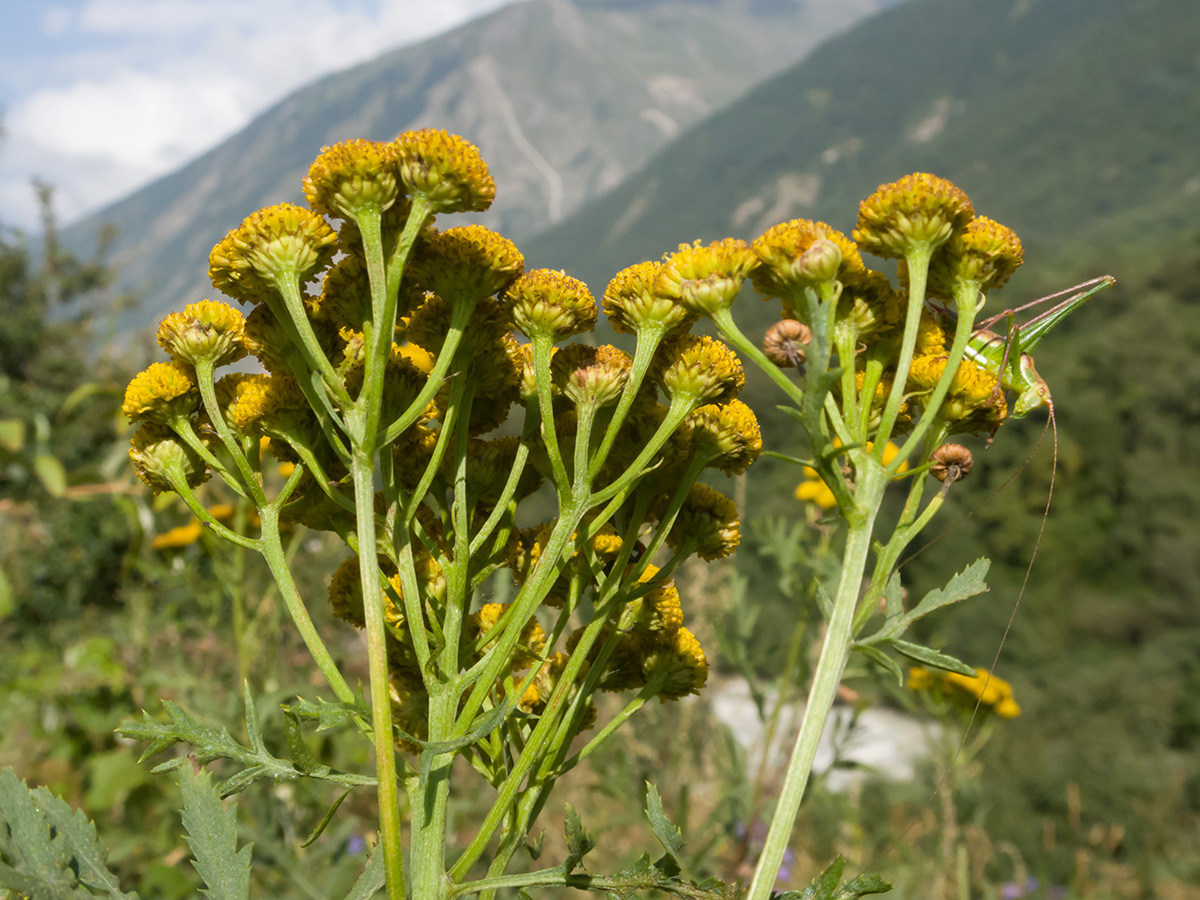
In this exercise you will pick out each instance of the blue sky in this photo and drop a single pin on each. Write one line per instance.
(100, 97)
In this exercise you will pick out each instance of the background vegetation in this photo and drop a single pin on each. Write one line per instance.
(1072, 122)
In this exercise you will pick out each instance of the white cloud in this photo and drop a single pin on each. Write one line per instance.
(144, 85)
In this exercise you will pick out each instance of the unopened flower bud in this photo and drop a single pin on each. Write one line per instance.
(786, 343)
(159, 456)
(951, 463)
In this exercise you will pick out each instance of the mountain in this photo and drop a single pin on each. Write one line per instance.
(1074, 122)
(564, 98)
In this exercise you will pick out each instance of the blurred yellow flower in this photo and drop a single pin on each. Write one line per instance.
(179, 537)
(813, 490)
(992, 691)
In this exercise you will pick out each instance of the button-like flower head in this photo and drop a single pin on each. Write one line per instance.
(446, 170)
(272, 247)
(919, 210)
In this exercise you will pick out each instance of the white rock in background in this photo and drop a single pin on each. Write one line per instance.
(881, 742)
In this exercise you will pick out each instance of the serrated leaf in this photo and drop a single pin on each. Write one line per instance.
(824, 886)
(882, 660)
(209, 744)
(212, 835)
(52, 848)
(664, 829)
(372, 879)
(862, 885)
(50, 473)
(579, 841)
(930, 657)
(967, 583)
(326, 714)
(79, 835)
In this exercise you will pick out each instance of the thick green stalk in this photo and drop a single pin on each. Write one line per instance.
(363, 472)
(918, 272)
(828, 674)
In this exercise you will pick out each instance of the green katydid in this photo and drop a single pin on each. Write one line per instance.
(1008, 356)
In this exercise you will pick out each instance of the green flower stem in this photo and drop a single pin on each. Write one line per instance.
(179, 484)
(648, 341)
(918, 271)
(418, 217)
(730, 331)
(649, 692)
(362, 470)
(846, 338)
(460, 315)
(543, 346)
(532, 593)
(237, 595)
(839, 424)
(295, 321)
(182, 426)
(538, 743)
(872, 375)
(958, 347)
(506, 494)
(273, 552)
(208, 393)
(682, 406)
(836, 648)
(429, 820)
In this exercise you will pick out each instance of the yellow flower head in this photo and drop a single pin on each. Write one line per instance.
(158, 456)
(278, 245)
(698, 367)
(657, 611)
(631, 303)
(727, 435)
(204, 331)
(984, 253)
(709, 517)
(445, 169)
(797, 254)
(545, 302)
(161, 393)
(352, 177)
(272, 405)
(467, 262)
(702, 279)
(591, 376)
(974, 400)
(919, 210)
(681, 661)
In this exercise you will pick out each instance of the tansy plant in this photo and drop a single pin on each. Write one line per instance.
(395, 352)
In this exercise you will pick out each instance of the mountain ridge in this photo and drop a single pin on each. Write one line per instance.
(563, 98)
